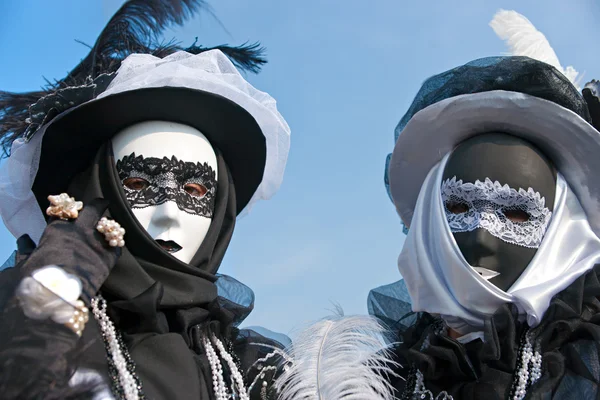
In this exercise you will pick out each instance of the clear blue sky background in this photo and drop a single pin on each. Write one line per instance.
(343, 73)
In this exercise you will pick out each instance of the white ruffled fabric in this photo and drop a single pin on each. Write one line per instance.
(210, 71)
(19, 208)
(49, 292)
(440, 281)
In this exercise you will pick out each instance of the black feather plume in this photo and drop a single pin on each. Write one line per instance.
(591, 94)
(247, 57)
(135, 28)
(14, 114)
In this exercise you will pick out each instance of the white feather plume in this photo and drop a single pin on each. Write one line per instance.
(523, 39)
(339, 358)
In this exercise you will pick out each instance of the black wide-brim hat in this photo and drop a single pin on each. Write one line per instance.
(72, 139)
(514, 95)
(129, 76)
(204, 91)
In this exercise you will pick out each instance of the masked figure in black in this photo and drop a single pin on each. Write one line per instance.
(123, 186)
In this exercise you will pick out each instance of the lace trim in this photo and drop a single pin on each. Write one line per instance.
(166, 178)
(486, 204)
(415, 388)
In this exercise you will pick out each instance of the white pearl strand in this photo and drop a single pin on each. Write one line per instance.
(108, 329)
(536, 371)
(524, 375)
(263, 391)
(128, 381)
(217, 371)
(237, 376)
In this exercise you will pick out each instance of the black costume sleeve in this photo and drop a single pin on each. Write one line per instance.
(38, 357)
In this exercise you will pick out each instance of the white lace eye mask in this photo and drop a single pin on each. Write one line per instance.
(515, 216)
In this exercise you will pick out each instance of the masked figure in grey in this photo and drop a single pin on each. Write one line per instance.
(492, 173)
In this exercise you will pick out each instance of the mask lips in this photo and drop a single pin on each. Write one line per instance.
(485, 273)
(169, 245)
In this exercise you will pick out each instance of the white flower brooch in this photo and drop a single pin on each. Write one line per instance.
(53, 293)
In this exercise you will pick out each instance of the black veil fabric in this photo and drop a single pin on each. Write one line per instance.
(510, 73)
(569, 338)
(391, 304)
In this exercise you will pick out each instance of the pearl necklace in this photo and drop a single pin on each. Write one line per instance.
(530, 367)
(126, 384)
(124, 381)
(528, 372)
(237, 389)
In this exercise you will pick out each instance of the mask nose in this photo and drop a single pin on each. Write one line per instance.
(476, 245)
(479, 237)
(166, 215)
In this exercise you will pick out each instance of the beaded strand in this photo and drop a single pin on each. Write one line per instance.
(121, 367)
(235, 373)
(529, 367)
(126, 384)
(217, 370)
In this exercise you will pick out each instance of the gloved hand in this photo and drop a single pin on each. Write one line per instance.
(77, 247)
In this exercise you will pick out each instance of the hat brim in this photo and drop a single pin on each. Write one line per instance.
(567, 139)
(72, 139)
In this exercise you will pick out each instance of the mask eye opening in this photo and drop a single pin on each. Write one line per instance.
(456, 207)
(135, 183)
(516, 215)
(195, 189)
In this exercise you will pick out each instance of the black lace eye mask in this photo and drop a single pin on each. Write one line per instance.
(158, 180)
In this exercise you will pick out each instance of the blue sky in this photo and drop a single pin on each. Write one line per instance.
(343, 73)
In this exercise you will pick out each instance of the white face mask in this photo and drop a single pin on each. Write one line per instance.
(169, 173)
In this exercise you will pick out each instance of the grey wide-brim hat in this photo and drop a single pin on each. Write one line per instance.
(515, 95)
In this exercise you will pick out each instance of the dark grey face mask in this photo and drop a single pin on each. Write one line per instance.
(498, 191)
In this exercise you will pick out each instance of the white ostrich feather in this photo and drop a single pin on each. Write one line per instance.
(523, 39)
(338, 358)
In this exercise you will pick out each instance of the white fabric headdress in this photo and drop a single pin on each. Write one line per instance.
(439, 279)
